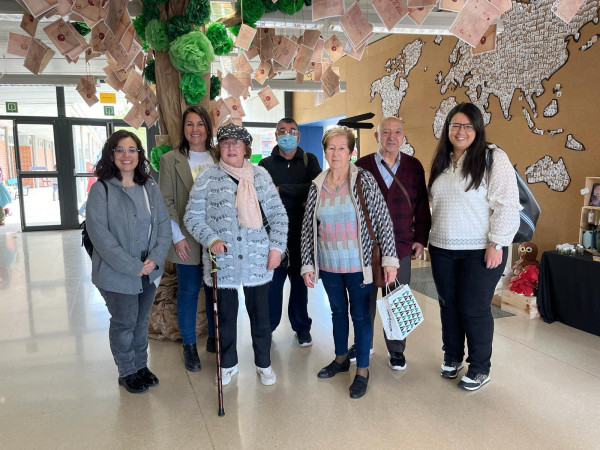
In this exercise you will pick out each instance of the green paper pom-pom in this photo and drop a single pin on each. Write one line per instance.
(160, 2)
(149, 71)
(217, 35)
(192, 53)
(270, 6)
(150, 10)
(235, 30)
(139, 23)
(215, 87)
(198, 12)
(252, 10)
(156, 36)
(81, 28)
(308, 2)
(193, 88)
(177, 26)
(156, 154)
(290, 7)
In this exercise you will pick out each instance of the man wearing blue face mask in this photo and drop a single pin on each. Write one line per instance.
(292, 170)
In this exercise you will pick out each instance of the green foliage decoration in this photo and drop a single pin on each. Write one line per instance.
(192, 53)
(193, 88)
(156, 154)
(149, 71)
(270, 6)
(252, 10)
(308, 2)
(290, 7)
(156, 35)
(150, 10)
(215, 87)
(198, 12)
(177, 26)
(81, 28)
(217, 35)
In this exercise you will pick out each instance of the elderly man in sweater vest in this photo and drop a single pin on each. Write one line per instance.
(406, 198)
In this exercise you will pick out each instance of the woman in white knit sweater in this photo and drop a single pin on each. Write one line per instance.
(229, 206)
(475, 216)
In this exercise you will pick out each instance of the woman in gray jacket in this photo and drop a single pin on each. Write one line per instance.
(129, 226)
(224, 215)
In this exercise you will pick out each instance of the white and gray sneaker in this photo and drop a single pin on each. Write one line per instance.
(451, 369)
(267, 375)
(226, 374)
(473, 381)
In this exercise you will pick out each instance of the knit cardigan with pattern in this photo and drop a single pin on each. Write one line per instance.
(378, 213)
(211, 214)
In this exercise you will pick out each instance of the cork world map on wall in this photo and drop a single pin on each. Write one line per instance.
(530, 49)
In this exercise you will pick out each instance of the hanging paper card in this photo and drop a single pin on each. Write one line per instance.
(310, 38)
(244, 77)
(18, 44)
(418, 15)
(318, 51)
(272, 73)
(334, 48)
(252, 52)
(38, 56)
(265, 33)
(284, 51)
(39, 7)
(140, 60)
(88, 9)
(330, 81)
(112, 80)
(134, 117)
(91, 54)
(317, 72)
(235, 106)
(149, 113)
(355, 25)
(390, 11)
(98, 34)
(62, 8)
(133, 83)
(114, 12)
(262, 72)
(233, 85)
(268, 98)
(487, 42)
(245, 37)
(299, 78)
(453, 5)
(327, 8)
(241, 64)
(218, 111)
(502, 5)
(29, 24)
(566, 9)
(62, 37)
(266, 49)
(354, 53)
(326, 95)
(473, 21)
(420, 3)
(302, 59)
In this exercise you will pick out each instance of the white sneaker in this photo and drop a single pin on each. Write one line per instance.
(226, 375)
(267, 376)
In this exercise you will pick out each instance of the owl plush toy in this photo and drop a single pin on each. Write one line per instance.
(527, 257)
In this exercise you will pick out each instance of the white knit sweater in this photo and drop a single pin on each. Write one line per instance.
(471, 220)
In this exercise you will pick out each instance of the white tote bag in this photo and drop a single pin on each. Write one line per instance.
(400, 313)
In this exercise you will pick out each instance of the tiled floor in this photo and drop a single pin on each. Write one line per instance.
(58, 383)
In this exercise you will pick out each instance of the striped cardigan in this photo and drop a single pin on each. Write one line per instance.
(378, 213)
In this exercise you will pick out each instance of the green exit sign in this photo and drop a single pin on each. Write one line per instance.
(109, 110)
(11, 107)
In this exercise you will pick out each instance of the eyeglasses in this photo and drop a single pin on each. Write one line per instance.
(122, 150)
(287, 132)
(228, 143)
(468, 127)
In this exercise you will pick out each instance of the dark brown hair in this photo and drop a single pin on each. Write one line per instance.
(184, 146)
(475, 164)
(106, 167)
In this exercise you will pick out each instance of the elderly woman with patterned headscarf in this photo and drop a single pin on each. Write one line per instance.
(235, 211)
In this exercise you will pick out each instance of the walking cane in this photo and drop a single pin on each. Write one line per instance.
(217, 334)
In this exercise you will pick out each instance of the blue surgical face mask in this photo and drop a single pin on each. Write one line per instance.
(287, 143)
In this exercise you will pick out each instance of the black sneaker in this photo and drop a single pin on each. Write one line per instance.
(352, 353)
(334, 368)
(397, 360)
(451, 369)
(191, 358)
(148, 377)
(211, 345)
(304, 339)
(133, 383)
(358, 388)
(473, 381)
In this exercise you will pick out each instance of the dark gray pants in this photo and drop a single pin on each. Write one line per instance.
(403, 277)
(257, 305)
(128, 332)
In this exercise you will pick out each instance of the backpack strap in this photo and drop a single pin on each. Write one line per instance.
(305, 158)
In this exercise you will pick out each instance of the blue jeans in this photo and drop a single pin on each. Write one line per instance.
(340, 288)
(465, 289)
(189, 282)
(128, 331)
(297, 304)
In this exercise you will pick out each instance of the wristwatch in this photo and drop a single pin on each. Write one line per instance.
(496, 245)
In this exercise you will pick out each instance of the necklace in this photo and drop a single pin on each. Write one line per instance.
(335, 186)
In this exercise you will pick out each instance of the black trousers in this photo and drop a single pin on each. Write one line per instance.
(465, 289)
(257, 305)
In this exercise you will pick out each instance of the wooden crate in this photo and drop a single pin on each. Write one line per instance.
(497, 300)
(520, 305)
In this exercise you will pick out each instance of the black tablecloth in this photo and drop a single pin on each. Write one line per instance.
(569, 291)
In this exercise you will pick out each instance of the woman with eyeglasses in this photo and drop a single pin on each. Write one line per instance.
(178, 170)
(128, 224)
(475, 216)
(235, 211)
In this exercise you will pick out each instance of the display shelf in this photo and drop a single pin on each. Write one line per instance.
(587, 208)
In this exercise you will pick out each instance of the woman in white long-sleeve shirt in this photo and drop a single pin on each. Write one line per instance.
(475, 216)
